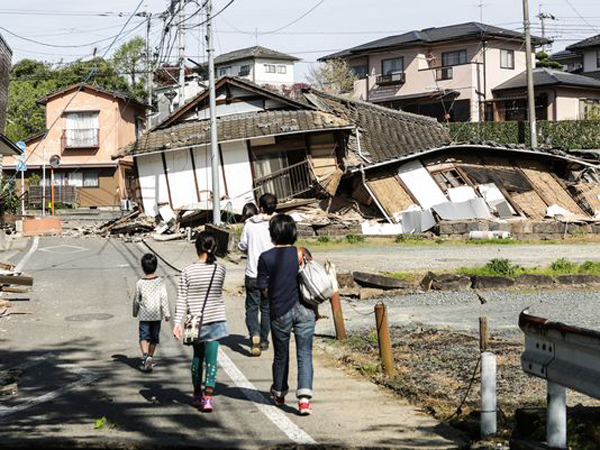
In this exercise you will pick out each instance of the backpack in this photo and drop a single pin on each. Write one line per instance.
(316, 282)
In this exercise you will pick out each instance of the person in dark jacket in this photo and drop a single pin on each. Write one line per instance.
(278, 276)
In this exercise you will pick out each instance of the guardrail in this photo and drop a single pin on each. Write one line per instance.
(566, 357)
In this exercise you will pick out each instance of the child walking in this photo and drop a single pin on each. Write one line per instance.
(278, 275)
(150, 305)
(200, 293)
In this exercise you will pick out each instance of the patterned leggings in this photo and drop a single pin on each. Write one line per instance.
(205, 351)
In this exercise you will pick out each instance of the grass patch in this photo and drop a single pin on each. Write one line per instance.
(505, 268)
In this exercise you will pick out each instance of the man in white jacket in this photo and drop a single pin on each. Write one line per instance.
(255, 240)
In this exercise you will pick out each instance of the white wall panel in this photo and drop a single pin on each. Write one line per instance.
(181, 178)
(420, 183)
(153, 184)
(203, 172)
(238, 173)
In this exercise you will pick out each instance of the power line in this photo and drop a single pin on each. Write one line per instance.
(568, 2)
(66, 46)
(38, 12)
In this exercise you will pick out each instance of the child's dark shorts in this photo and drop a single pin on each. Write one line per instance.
(149, 330)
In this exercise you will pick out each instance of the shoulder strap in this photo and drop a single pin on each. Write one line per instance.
(208, 290)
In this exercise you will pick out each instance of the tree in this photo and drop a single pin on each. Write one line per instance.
(334, 76)
(130, 60)
(31, 80)
(543, 60)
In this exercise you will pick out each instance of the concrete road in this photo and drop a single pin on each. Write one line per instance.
(76, 344)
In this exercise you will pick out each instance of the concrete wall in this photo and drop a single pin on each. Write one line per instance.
(568, 102)
(5, 63)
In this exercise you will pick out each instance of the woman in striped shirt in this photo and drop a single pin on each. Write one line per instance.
(191, 297)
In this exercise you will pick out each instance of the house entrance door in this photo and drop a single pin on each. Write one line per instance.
(275, 173)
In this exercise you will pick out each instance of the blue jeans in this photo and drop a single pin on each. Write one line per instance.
(256, 302)
(300, 320)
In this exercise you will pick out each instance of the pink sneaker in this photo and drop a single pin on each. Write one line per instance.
(207, 403)
(304, 407)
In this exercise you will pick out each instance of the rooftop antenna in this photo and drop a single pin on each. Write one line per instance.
(481, 6)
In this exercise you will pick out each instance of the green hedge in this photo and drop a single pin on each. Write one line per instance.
(564, 134)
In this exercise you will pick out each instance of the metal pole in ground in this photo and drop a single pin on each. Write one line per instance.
(488, 394)
(556, 431)
(383, 337)
(338, 317)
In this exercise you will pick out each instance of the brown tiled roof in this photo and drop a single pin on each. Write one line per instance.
(233, 128)
(385, 134)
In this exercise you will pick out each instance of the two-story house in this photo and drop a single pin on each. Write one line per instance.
(258, 64)
(85, 126)
(582, 57)
(446, 72)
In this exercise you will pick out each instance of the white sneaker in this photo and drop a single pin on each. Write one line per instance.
(148, 364)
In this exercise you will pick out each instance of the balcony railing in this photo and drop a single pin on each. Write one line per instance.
(444, 73)
(80, 138)
(62, 194)
(243, 72)
(391, 79)
(286, 183)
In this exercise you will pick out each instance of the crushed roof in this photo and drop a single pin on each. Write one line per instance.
(434, 35)
(593, 41)
(544, 76)
(385, 134)
(233, 128)
(253, 52)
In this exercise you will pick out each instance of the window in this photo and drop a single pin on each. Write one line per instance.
(454, 58)
(444, 73)
(360, 71)
(507, 59)
(281, 69)
(244, 70)
(392, 66)
(270, 68)
(81, 130)
(224, 71)
(90, 178)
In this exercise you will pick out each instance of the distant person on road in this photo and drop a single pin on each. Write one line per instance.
(150, 306)
(278, 276)
(256, 240)
(193, 297)
(249, 210)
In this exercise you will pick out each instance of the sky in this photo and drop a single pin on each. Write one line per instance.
(331, 26)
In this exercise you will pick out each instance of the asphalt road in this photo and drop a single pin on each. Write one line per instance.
(76, 344)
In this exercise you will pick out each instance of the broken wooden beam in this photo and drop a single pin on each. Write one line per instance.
(22, 280)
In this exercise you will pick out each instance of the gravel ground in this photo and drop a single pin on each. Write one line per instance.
(461, 310)
(397, 257)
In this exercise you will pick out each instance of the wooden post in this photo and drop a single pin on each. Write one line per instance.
(483, 334)
(52, 188)
(383, 337)
(338, 317)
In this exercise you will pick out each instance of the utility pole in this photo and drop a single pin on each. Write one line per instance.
(181, 31)
(480, 6)
(214, 143)
(529, 68)
(149, 71)
(543, 16)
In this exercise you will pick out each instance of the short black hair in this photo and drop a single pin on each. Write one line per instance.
(283, 230)
(206, 242)
(268, 203)
(149, 263)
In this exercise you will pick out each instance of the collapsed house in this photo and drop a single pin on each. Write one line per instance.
(326, 156)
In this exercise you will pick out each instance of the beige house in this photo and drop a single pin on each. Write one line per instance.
(447, 72)
(85, 126)
(558, 96)
(583, 57)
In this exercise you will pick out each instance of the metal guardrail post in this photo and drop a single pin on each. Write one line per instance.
(556, 428)
(488, 394)
(383, 337)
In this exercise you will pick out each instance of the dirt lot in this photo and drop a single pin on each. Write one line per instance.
(434, 369)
